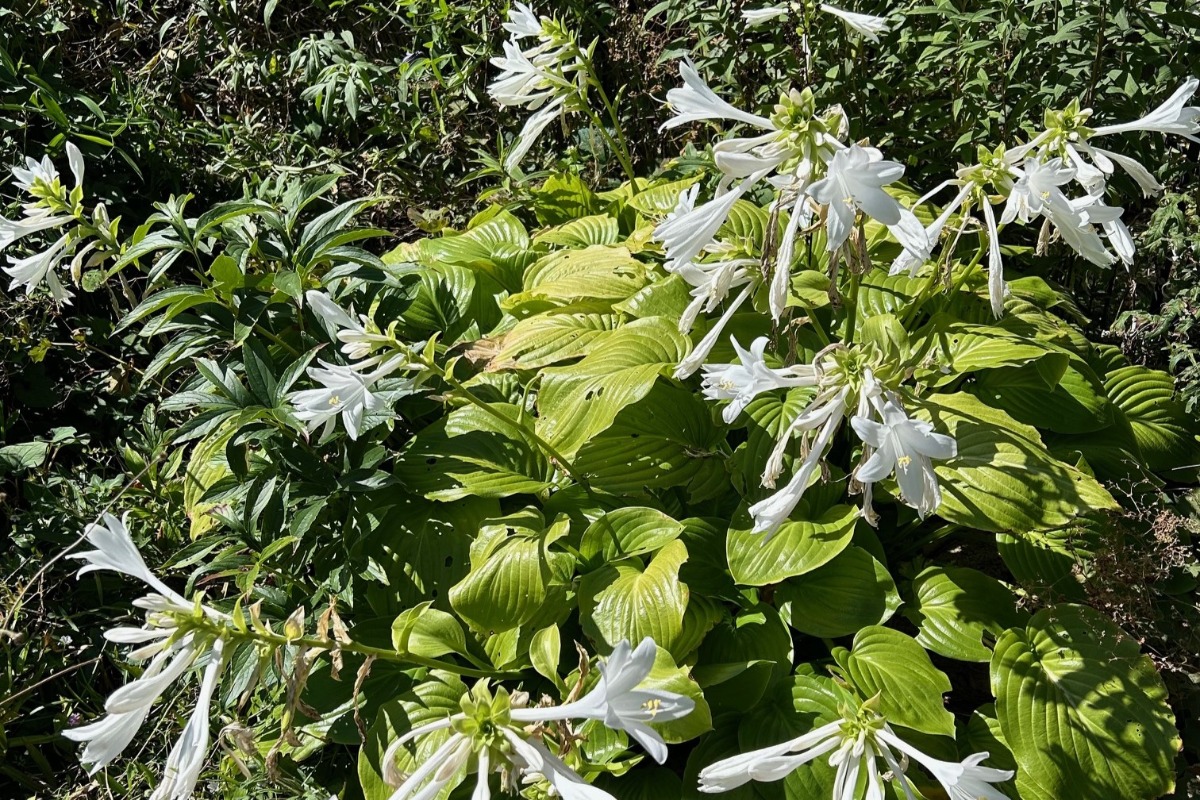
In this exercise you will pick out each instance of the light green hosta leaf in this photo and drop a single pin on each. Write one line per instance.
(565, 277)
(562, 198)
(512, 575)
(1077, 404)
(629, 531)
(799, 546)
(850, 592)
(435, 699)
(953, 607)
(581, 400)
(953, 348)
(1160, 425)
(1002, 478)
(627, 602)
(881, 293)
(667, 297)
(450, 300)
(1047, 562)
(658, 201)
(428, 632)
(746, 225)
(1084, 712)
(550, 338)
(910, 688)
(545, 650)
(582, 232)
(471, 453)
(496, 244)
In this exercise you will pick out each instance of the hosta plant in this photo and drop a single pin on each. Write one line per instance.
(771, 478)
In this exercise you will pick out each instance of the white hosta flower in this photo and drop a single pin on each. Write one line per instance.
(542, 78)
(742, 382)
(512, 736)
(695, 101)
(1037, 192)
(1095, 212)
(761, 16)
(359, 338)
(344, 392)
(38, 268)
(171, 653)
(619, 703)
(855, 746)
(903, 446)
(1174, 116)
(868, 25)
(855, 180)
(699, 354)
(826, 413)
(14, 230)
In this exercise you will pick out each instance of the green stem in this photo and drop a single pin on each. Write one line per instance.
(381, 653)
(620, 145)
(852, 322)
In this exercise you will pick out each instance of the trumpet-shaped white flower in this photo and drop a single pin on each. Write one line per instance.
(359, 338)
(1173, 116)
(854, 182)
(514, 733)
(855, 746)
(826, 413)
(619, 703)
(38, 268)
(761, 16)
(171, 653)
(1037, 192)
(905, 447)
(868, 25)
(344, 392)
(543, 78)
(742, 382)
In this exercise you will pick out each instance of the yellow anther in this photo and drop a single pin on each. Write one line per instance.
(653, 706)
(334, 400)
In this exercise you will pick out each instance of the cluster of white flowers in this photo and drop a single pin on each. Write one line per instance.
(547, 77)
(815, 175)
(855, 745)
(53, 207)
(893, 442)
(347, 390)
(171, 649)
(1030, 180)
(501, 735)
(868, 26)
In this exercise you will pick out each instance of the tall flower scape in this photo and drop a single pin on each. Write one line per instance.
(716, 427)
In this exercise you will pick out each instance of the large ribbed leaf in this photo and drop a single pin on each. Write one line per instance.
(850, 592)
(582, 232)
(660, 200)
(471, 452)
(511, 576)
(629, 531)
(550, 338)
(910, 688)
(1077, 404)
(954, 606)
(1003, 479)
(799, 546)
(1147, 398)
(579, 401)
(1083, 711)
(667, 439)
(954, 348)
(565, 277)
(627, 602)
(496, 244)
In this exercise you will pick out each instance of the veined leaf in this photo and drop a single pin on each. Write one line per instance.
(629, 531)
(1083, 711)
(1003, 479)
(579, 401)
(546, 339)
(910, 688)
(565, 277)
(1147, 399)
(627, 602)
(850, 592)
(954, 606)
(799, 546)
(472, 453)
